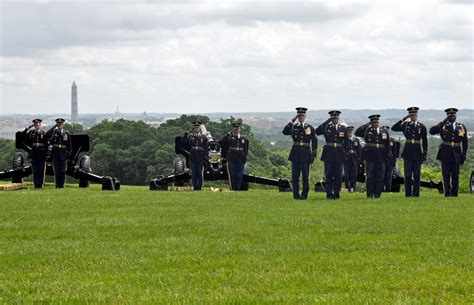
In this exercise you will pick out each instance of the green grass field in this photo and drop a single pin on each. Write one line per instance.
(137, 246)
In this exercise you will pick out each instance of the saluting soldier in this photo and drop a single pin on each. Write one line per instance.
(414, 151)
(454, 135)
(375, 154)
(198, 146)
(236, 155)
(333, 153)
(352, 155)
(60, 139)
(303, 151)
(39, 143)
(391, 161)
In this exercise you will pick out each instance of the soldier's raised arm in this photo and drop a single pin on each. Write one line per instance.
(360, 132)
(437, 128)
(287, 130)
(400, 125)
(322, 127)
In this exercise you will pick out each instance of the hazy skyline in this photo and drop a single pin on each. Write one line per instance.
(221, 56)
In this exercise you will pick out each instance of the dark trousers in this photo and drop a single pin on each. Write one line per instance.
(450, 178)
(298, 168)
(59, 167)
(196, 174)
(38, 172)
(333, 173)
(236, 173)
(411, 171)
(350, 175)
(387, 183)
(375, 172)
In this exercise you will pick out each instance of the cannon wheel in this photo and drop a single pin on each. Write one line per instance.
(396, 186)
(18, 164)
(178, 169)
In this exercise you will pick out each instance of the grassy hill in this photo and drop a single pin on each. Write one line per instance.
(136, 246)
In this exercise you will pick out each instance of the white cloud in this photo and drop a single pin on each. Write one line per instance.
(230, 56)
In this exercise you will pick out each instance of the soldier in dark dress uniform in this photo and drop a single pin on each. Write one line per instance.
(454, 135)
(237, 151)
(352, 155)
(198, 154)
(391, 161)
(375, 154)
(60, 140)
(303, 151)
(38, 142)
(333, 153)
(414, 151)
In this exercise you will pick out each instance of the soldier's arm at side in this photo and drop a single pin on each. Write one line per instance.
(288, 129)
(424, 138)
(69, 144)
(464, 142)
(314, 143)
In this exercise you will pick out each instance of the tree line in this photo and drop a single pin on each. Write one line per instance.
(134, 152)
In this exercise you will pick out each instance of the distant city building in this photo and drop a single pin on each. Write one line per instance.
(74, 105)
(117, 115)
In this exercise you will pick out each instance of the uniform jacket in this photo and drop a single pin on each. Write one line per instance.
(334, 136)
(394, 152)
(454, 135)
(61, 142)
(198, 146)
(38, 141)
(414, 132)
(305, 142)
(352, 150)
(377, 144)
(235, 147)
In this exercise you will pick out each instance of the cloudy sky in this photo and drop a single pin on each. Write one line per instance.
(234, 56)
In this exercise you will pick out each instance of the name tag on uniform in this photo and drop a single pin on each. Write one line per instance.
(307, 131)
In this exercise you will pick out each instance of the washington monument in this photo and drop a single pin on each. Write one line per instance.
(74, 110)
